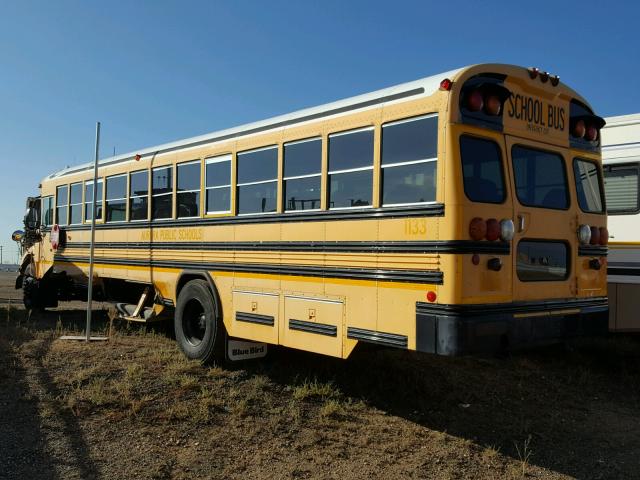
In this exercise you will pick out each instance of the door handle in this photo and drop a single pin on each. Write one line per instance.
(521, 223)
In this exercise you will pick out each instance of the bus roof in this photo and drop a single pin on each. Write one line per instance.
(415, 89)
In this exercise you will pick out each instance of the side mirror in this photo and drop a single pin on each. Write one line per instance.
(17, 236)
(31, 220)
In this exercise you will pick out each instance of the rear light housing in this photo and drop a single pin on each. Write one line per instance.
(604, 236)
(477, 229)
(493, 229)
(584, 127)
(507, 230)
(584, 234)
(482, 99)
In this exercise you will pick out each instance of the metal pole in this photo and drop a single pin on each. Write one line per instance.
(93, 232)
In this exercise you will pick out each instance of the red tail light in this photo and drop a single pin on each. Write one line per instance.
(431, 296)
(579, 129)
(493, 105)
(493, 229)
(591, 133)
(477, 229)
(475, 102)
(604, 236)
(595, 236)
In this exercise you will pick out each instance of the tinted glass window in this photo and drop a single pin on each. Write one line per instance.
(218, 184)
(62, 195)
(161, 207)
(258, 165)
(218, 173)
(351, 150)
(302, 193)
(116, 187)
(76, 193)
(542, 261)
(88, 198)
(162, 181)
(47, 211)
(138, 208)
(482, 170)
(218, 199)
(409, 183)
(188, 204)
(588, 186)
(88, 192)
(302, 158)
(75, 214)
(257, 198)
(621, 188)
(189, 176)
(116, 210)
(75, 199)
(139, 183)
(540, 178)
(353, 189)
(410, 140)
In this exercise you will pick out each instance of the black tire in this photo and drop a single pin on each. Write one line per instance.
(30, 289)
(199, 331)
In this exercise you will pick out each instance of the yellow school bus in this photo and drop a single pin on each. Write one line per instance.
(455, 214)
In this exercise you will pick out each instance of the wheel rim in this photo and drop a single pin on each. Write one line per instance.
(194, 322)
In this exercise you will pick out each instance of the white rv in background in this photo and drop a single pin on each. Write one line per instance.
(621, 162)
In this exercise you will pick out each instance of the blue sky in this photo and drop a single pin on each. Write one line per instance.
(158, 71)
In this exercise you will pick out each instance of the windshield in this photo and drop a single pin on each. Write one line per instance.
(540, 178)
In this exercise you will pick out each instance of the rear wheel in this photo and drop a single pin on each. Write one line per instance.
(199, 330)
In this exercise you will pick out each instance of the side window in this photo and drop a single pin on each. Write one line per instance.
(62, 200)
(540, 178)
(188, 192)
(482, 170)
(116, 195)
(162, 193)
(621, 188)
(409, 157)
(88, 200)
(218, 184)
(302, 172)
(139, 195)
(47, 211)
(75, 203)
(351, 169)
(257, 180)
(588, 185)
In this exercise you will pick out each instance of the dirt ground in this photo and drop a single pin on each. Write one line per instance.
(133, 407)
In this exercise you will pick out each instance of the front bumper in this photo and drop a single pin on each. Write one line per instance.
(490, 328)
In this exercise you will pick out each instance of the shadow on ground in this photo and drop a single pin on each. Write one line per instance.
(37, 442)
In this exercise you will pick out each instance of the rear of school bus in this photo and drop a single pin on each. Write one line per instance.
(523, 188)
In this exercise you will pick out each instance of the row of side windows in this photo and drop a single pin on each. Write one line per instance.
(408, 176)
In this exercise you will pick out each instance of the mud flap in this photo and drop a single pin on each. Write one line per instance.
(238, 350)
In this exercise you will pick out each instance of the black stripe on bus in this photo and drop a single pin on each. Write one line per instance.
(312, 327)
(595, 303)
(431, 210)
(433, 246)
(432, 277)
(593, 251)
(252, 131)
(255, 318)
(624, 271)
(379, 338)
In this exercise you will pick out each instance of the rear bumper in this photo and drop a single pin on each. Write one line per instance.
(468, 329)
